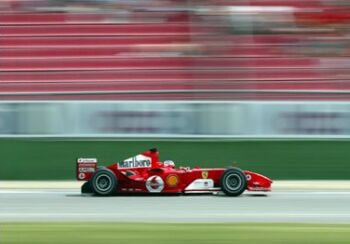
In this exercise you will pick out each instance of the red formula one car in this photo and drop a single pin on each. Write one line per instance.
(144, 173)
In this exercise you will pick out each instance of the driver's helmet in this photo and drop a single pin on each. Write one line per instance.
(169, 163)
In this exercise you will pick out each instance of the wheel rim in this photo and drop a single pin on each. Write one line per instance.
(103, 183)
(233, 182)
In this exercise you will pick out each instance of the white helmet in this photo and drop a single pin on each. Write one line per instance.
(169, 163)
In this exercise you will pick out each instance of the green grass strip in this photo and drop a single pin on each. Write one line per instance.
(130, 233)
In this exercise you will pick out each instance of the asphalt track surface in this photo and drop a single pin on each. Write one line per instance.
(70, 205)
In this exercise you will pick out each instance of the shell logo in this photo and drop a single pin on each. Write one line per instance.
(172, 180)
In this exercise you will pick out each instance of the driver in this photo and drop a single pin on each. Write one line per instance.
(169, 163)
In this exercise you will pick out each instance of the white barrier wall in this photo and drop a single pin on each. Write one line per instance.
(175, 119)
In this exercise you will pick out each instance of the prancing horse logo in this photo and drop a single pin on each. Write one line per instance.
(205, 174)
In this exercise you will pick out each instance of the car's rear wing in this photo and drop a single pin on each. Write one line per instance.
(86, 168)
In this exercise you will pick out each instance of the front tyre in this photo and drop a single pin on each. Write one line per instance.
(233, 182)
(104, 182)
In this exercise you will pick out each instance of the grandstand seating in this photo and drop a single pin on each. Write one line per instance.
(28, 19)
(67, 53)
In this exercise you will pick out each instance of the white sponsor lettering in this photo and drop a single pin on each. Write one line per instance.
(86, 170)
(139, 161)
(87, 160)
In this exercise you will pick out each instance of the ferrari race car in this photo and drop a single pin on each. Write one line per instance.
(144, 173)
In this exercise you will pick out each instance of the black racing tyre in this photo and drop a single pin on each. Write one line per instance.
(86, 187)
(104, 182)
(233, 182)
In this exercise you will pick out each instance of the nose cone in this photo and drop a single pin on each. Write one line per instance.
(257, 182)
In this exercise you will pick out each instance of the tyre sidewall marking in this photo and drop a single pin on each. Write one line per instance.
(237, 176)
(109, 179)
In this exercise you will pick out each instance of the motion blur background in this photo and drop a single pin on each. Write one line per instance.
(262, 84)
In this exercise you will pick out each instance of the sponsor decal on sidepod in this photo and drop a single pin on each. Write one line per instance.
(172, 180)
(155, 184)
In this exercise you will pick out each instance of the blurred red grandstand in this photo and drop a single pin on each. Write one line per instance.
(174, 49)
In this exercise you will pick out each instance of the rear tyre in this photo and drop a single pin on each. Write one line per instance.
(86, 187)
(104, 182)
(233, 182)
